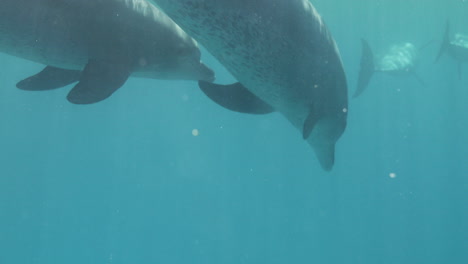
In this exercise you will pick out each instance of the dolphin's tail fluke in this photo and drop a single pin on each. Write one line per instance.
(367, 68)
(445, 42)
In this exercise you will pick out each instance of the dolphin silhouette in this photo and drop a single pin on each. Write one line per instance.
(283, 57)
(97, 43)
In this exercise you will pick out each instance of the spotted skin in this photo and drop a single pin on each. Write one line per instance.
(282, 52)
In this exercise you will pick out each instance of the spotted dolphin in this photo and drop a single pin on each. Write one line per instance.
(400, 59)
(283, 57)
(97, 43)
(457, 47)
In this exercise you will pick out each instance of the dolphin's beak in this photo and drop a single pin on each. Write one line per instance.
(325, 153)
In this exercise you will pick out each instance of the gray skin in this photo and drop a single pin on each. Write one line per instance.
(281, 52)
(99, 43)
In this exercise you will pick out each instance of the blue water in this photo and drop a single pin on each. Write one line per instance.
(126, 181)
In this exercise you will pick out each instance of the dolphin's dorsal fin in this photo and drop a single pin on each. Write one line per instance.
(98, 81)
(49, 78)
(310, 123)
(367, 68)
(235, 97)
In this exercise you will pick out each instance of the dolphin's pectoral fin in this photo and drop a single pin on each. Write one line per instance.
(235, 97)
(49, 78)
(98, 81)
(309, 124)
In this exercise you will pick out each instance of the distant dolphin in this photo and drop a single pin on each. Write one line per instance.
(284, 58)
(399, 60)
(456, 48)
(98, 43)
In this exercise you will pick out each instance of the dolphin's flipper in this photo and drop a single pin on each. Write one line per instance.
(310, 123)
(98, 81)
(235, 97)
(445, 42)
(49, 78)
(367, 68)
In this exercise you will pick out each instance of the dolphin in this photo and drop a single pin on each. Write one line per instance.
(456, 48)
(97, 43)
(399, 60)
(283, 57)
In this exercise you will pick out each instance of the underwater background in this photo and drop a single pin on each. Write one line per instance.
(128, 180)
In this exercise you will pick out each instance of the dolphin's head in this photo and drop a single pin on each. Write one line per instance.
(327, 118)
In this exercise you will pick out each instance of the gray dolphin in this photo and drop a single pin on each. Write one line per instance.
(284, 58)
(456, 48)
(99, 43)
(399, 60)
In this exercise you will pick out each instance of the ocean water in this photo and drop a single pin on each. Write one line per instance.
(127, 181)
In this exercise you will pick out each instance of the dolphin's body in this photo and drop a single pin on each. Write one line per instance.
(284, 58)
(99, 43)
(457, 48)
(400, 60)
